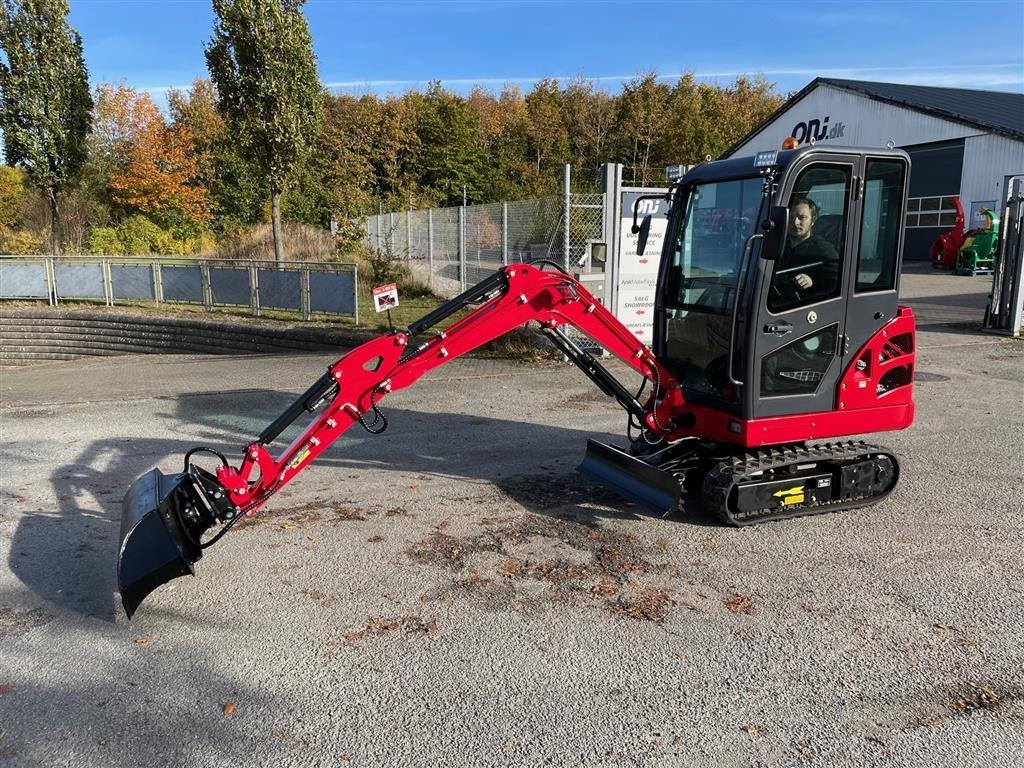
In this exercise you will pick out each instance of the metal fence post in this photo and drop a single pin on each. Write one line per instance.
(355, 293)
(566, 210)
(504, 234)
(430, 246)
(462, 247)
(204, 273)
(158, 284)
(304, 293)
(254, 290)
(108, 283)
(408, 233)
(51, 283)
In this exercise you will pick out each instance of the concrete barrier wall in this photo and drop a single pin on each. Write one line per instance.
(28, 335)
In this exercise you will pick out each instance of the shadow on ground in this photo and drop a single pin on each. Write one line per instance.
(68, 556)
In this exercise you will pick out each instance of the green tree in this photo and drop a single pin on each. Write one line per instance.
(549, 137)
(236, 186)
(449, 158)
(262, 63)
(642, 119)
(589, 116)
(45, 104)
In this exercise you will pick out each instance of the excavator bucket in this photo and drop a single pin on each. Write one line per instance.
(155, 547)
(632, 477)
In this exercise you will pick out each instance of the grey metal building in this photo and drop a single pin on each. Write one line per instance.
(961, 142)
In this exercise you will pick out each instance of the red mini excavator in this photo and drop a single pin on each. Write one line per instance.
(776, 324)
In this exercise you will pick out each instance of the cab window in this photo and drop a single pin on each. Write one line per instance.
(880, 226)
(811, 265)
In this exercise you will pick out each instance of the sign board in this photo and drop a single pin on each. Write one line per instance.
(637, 275)
(385, 297)
(977, 221)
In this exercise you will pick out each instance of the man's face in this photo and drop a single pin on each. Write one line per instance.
(800, 222)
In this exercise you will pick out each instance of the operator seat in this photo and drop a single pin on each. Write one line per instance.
(830, 227)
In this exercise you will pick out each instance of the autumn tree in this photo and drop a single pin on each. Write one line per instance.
(262, 63)
(12, 195)
(549, 138)
(504, 139)
(589, 117)
(234, 184)
(342, 162)
(641, 121)
(153, 167)
(395, 149)
(44, 98)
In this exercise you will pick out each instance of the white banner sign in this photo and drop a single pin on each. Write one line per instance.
(638, 274)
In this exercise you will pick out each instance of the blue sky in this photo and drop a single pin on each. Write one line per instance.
(393, 46)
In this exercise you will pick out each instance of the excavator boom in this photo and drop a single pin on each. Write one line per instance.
(166, 517)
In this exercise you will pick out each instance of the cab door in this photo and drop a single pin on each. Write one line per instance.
(873, 279)
(798, 339)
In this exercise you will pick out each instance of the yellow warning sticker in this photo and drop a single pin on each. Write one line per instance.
(299, 457)
(794, 495)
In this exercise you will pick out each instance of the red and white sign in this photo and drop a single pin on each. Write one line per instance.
(385, 297)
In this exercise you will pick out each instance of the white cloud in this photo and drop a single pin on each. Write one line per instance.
(967, 76)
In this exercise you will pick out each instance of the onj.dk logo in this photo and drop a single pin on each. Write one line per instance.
(816, 129)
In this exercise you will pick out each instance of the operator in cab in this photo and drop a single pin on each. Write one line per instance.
(808, 270)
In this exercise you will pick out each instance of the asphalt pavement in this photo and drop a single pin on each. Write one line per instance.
(453, 592)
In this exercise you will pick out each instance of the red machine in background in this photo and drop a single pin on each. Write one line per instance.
(946, 247)
(748, 363)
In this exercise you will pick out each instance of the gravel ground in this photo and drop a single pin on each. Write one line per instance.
(453, 593)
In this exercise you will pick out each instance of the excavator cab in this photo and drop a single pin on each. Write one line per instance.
(757, 329)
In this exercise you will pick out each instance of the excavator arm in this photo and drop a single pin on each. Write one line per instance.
(165, 518)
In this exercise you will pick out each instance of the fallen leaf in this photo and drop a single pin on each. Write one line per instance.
(143, 640)
(739, 603)
(5, 688)
(229, 709)
(750, 729)
(288, 526)
(509, 568)
(804, 748)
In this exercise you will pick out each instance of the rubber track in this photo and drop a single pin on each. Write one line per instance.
(719, 482)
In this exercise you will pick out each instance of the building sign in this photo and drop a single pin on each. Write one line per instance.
(817, 129)
(638, 274)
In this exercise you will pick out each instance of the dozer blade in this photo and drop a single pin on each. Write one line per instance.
(631, 477)
(154, 546)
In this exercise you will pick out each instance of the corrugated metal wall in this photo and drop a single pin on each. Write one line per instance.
(987, 159)
(836, 116)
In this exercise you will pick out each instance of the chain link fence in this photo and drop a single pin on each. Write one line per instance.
(450, 249)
